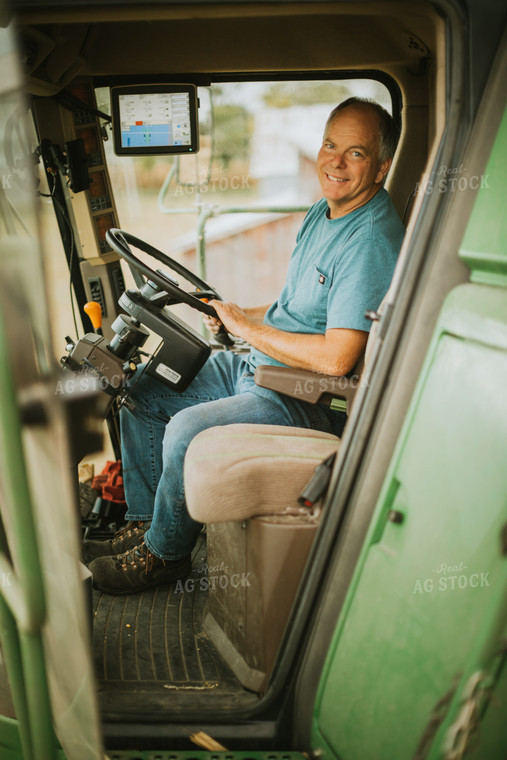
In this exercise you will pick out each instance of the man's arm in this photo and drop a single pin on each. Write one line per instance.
(334, 353)
(257, 313)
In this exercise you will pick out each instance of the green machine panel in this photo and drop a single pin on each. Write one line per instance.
(431, 593)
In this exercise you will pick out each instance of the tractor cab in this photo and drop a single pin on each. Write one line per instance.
(346, 598)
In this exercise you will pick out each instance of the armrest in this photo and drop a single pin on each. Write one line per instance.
(312, 387)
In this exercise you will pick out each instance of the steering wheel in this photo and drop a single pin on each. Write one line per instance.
(120, 242)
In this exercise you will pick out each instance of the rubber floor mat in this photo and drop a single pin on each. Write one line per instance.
(152, 642)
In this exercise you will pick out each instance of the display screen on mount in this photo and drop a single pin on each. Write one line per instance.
(154, 119)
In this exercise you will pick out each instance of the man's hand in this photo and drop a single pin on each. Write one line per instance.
(226, 311)
(230, 315)
(211, 323)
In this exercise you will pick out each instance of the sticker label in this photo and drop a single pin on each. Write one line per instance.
(167, 373)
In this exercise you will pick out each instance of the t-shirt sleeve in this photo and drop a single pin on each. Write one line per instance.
(361, 279)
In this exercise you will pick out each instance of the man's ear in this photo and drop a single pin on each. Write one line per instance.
(382, 170)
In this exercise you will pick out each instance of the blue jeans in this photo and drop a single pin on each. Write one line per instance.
(157, 432)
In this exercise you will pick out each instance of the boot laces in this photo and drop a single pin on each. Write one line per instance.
(139, 555)
(131, 528)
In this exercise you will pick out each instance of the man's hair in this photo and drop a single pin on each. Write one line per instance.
(388, 129)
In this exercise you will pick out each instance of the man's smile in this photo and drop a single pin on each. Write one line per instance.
(331, 178)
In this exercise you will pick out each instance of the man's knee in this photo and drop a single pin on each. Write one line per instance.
(183, 426)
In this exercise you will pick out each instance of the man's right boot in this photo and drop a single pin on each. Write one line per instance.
(123, 540)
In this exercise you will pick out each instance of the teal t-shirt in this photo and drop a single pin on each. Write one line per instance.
(339, 269)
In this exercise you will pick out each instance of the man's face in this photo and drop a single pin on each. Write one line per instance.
(348, 165)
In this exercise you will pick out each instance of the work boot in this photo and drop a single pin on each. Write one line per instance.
(124, 539)
(135, 570)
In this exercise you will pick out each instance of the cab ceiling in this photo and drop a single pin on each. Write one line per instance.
(63, 43)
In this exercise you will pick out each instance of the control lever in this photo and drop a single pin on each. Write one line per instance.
(223, 337)
(94, 312)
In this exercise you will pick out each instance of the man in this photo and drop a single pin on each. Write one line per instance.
(342, 265)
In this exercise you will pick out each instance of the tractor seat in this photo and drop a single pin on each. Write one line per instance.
(243, 481)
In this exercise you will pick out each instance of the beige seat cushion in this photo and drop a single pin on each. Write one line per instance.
(233, 472)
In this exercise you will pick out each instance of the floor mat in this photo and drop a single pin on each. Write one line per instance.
(152, 643)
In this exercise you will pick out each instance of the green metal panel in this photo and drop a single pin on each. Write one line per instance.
(204, 755)
(23, 605)
(12, 742)
(10, 750)
(483, 248)
(418, 649)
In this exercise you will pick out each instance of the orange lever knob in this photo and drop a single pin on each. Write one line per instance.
(92, 308)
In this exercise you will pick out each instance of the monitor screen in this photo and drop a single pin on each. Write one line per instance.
(154, 119)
